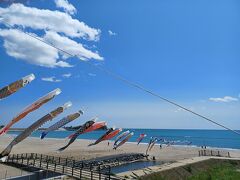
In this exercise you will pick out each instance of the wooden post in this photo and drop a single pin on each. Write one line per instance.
(218, 153)
(59, 160)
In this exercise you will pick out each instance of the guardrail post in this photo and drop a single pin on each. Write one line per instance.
(34, 160)
(55, 165)
(40, 161)
(12, 157)
(80, 175)
(228, 154)
(17, 158)
(66, 161)
(91, 171)
(22, 158)
(47, 162)
(73, 165)
(109, 172)
(99, 171)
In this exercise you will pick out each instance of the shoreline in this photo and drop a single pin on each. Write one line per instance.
(80, 149)
(142, 143)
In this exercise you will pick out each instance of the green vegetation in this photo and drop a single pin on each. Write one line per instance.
(212, 169)
(226, 171)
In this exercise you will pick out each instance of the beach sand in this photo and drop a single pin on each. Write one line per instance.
(172, 156)
(79, 150)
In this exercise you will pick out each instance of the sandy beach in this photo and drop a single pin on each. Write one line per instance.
(79, 150)
(171, 157)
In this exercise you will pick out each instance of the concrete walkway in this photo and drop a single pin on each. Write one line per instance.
(167, 166)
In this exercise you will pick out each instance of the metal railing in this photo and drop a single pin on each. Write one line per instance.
(217, 153)
(70, 167)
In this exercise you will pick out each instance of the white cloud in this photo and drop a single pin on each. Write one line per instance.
(44, 19)
(23, 47)
(67, 7)
(67, 75)
(224, 99)
(111, 33)
(71, 46)
(51, 79)
(56, 27)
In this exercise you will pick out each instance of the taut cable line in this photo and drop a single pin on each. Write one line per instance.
(120, 78)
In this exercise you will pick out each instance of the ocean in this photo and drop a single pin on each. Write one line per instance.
(210, 138)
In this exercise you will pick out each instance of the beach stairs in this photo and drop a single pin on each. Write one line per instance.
(64, 166)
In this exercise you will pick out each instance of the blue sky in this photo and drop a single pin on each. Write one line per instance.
(187, 51)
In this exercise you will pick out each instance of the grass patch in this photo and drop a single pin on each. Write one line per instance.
(225, 171)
